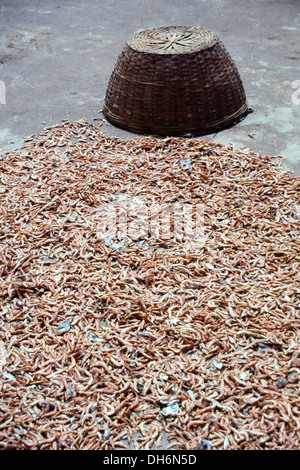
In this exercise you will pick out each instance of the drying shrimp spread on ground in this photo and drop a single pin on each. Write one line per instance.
(143, 343)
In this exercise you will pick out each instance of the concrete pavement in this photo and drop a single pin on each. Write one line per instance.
(56, 58)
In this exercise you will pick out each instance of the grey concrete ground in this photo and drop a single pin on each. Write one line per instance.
(56, 57)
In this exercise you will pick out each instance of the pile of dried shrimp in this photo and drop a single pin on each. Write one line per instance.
(147, 345)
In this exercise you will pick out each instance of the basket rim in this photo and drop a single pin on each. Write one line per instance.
(197, 130)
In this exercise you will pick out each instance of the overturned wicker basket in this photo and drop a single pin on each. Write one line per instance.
(174, 80)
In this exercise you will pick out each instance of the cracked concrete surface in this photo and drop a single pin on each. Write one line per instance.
(56, 58)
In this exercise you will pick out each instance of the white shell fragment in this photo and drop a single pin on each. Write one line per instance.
(171, 410)
(63, 327)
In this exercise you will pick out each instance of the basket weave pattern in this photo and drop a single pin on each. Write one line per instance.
(182, 81)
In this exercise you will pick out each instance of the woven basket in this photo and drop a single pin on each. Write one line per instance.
(174, 80)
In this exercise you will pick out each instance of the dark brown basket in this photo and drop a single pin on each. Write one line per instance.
(174, 80)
